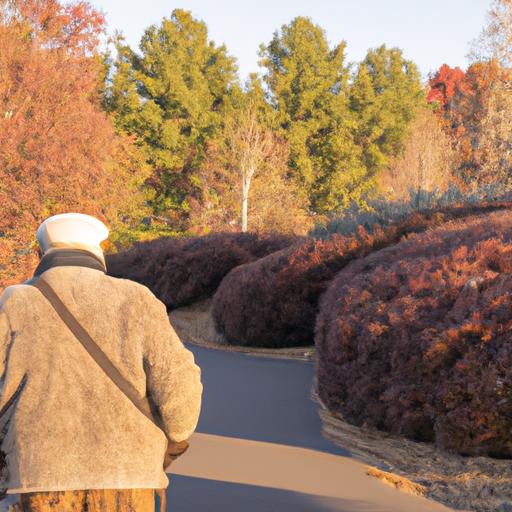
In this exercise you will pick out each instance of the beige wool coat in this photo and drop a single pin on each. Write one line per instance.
(63, 424)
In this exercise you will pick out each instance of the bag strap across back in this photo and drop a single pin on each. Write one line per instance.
(142, 403)
(174, 450)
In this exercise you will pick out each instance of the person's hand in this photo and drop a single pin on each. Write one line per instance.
(175, 450)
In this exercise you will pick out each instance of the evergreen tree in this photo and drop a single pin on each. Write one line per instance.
(173, 97)
(307, 82)
(121, 98)
(256, 95)
(384, 95)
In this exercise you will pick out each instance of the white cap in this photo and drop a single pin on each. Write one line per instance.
(72, 230)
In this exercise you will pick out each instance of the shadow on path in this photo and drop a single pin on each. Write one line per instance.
(195, 495)
(258, 447)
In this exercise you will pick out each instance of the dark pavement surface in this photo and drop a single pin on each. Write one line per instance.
(259, 447)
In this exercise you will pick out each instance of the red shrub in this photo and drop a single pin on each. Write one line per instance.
(273, 302)
(180, 271)
(415, 339)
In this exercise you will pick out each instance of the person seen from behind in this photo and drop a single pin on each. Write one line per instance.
(97, 392)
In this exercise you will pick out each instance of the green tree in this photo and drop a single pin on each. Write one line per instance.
(173, 96)
(307, 82)
(121, 98)
(255, 95)
(384, 95)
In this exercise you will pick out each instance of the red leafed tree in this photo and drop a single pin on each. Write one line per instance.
(58, 150)
(461, 99)
(446, 84)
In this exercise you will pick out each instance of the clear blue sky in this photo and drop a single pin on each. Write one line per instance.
(430, 32)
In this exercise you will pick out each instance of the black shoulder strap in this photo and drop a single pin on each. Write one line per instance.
(142, 403)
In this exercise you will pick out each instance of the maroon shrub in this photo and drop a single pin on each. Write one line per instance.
(415, 339)
(138, 262)
(273, 302)
(180, 271)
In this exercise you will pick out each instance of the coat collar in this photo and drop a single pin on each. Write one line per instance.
(68, 257)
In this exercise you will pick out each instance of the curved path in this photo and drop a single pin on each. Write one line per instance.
(258, 447)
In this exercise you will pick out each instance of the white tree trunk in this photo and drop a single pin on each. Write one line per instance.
(245, 201)
(246, 184)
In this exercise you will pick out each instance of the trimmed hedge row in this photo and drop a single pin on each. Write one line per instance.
(273, 302)
(416, 339)
(180, 271)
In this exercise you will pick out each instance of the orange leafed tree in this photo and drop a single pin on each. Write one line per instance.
(461, 100)
(446, 84)
(58, 150)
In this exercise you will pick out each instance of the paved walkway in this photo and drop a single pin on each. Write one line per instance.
(258, 447)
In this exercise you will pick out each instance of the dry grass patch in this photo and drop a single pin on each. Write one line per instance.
(398, 482)
(480, 484)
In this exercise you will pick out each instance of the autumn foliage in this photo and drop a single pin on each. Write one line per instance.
(415, 339)
(446, 85)
(180, 271)
(461, 101)
(273, 302)
(58, 150)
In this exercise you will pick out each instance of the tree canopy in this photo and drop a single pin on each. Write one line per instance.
(173, 97)
(308, 87)
(58, 149)
(385, 96)
(150, 131)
